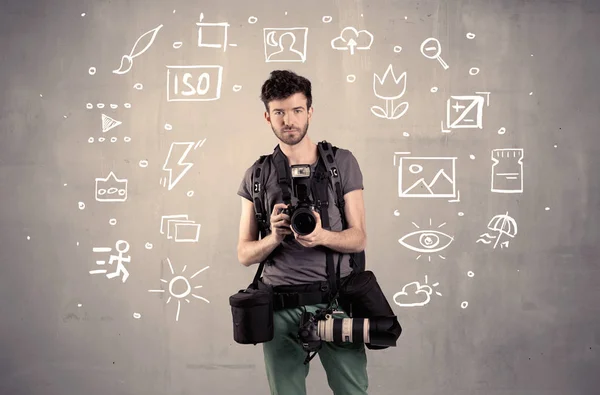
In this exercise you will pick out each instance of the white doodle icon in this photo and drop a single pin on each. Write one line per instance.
(389, 92)
(427, 177)
(432, 49)
(175, 165)
(109, 123)
(179, 228)
(503, 224)
(427, 241)
(122, 247)
(507, 170)
(181, 281)
(145, 41)
(352, 40)
(465, 112)
(285, 44)
(111, 189)
(414, 294)
(202, 26)
(194, 83)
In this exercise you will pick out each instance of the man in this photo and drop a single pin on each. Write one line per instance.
(300, 259)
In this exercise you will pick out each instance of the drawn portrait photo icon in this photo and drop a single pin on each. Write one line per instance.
(427, 241)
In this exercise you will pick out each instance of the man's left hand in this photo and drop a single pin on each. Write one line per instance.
(315, 238)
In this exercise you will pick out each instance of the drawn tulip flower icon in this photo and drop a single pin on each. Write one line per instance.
(389, 91)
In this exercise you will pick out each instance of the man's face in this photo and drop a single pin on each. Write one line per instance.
(289, 118)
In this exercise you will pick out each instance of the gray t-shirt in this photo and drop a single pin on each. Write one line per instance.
(292, 262)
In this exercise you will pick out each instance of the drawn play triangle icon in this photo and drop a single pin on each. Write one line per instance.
(108, 123)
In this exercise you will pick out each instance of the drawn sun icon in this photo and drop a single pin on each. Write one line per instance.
(180, 287)
(429, 241)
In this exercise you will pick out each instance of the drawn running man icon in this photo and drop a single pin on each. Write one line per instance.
(122, 247)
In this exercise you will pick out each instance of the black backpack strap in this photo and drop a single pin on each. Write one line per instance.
(319, 187)
(327, 152)
(260, 173)
(284, 176)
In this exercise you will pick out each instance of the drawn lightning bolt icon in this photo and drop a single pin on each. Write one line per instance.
(175, 163)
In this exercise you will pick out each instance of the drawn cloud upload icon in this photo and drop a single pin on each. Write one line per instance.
(352, 39)
(414, 294)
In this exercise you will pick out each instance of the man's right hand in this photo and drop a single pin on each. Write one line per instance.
(280, 222)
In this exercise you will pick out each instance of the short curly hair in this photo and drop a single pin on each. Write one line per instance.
(283, 84)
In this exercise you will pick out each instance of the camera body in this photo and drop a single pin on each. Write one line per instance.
(302, 218)
(308, 332)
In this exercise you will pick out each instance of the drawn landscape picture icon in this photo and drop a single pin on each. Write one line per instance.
(427, 177)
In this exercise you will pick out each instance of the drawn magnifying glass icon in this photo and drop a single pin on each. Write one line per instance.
(432, 49)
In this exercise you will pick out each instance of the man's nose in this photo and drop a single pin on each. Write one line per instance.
(287, 119)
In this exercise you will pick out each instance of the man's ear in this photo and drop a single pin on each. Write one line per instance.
(267, 117)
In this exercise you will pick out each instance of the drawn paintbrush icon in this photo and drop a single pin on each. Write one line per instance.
(127, 60)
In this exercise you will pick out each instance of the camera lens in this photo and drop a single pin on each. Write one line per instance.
(303, 221)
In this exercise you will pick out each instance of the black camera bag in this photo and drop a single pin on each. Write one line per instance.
(252, 311)
(361, 297)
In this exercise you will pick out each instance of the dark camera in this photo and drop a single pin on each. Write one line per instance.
(319, 327)
(302, 218)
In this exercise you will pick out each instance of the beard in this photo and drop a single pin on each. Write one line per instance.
(292, 138)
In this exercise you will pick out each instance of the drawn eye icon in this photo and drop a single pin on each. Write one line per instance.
(427, 241)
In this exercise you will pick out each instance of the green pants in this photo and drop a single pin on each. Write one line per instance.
(345, 364)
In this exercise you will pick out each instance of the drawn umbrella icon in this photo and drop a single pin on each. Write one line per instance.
(503, 224)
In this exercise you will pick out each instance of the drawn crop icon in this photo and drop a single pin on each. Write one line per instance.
(426, 241)
(388, 91)
(180, 281)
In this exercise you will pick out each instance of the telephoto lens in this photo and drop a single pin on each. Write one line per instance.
(373, 331)
(344, 330)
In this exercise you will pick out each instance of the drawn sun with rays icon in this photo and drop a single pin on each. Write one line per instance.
(428, 241)
(180, 287)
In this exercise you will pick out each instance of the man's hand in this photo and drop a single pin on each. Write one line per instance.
(280, 223)
(316, 237)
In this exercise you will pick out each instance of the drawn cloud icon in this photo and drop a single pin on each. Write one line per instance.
(413, 294)
(352, 39)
